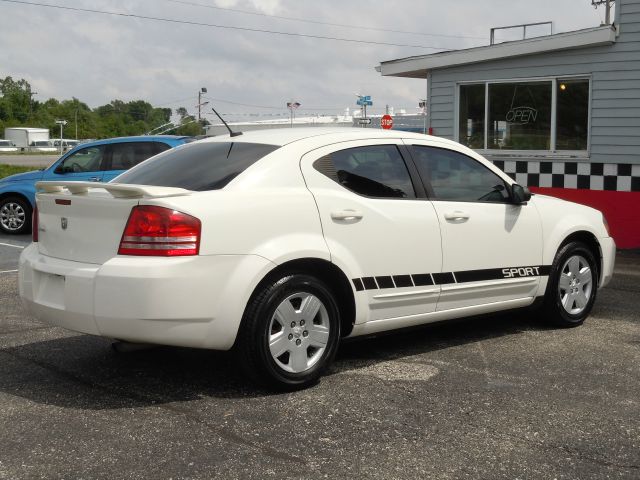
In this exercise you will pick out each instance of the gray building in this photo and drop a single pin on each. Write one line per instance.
(559, 113)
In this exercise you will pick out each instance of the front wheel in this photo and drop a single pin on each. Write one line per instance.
(15, 215)
(290, 332)
(573, 283)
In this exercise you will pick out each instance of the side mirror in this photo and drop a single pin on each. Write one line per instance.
(520, 194)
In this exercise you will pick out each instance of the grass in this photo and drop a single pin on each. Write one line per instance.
(6, 170)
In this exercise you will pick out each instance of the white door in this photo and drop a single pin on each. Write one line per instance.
(491, 247)
(378, 226)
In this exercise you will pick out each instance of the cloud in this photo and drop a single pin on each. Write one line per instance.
(97, 58)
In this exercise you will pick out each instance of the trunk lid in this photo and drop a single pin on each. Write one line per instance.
(84, 221)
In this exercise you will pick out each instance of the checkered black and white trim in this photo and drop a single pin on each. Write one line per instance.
(592, 176)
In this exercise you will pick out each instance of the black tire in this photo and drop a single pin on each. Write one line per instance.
(259, 324)
(555, 312)
(7, 220)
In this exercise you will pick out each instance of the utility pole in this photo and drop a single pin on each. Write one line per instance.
(31, 94)
(202, 90)
(607, 9)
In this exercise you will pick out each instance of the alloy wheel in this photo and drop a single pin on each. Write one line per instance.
(575, 285)
(299, 332)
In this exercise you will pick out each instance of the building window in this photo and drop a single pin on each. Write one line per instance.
(471, 117)
(572, 114)
(520, 115)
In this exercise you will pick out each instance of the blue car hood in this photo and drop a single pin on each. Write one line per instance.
(24, 177)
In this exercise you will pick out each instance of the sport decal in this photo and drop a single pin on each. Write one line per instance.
(445, 278)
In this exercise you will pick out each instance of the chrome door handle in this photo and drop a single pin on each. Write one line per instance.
(94, 179)
(347, 215)
(457, 215)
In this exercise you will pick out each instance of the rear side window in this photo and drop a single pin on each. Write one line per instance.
(372, 171)
(127, 155)
(197, 166)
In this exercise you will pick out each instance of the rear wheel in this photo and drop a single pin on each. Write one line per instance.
(573, 283)
(15, 215)
(290, 332)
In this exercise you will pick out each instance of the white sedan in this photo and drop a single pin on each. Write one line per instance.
(279, 243)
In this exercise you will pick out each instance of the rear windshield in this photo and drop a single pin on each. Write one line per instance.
(197, 166)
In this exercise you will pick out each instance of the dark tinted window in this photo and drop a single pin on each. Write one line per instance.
(197, 166)
(127, 155)
(373, 171)
(87, 159)
(454, 176)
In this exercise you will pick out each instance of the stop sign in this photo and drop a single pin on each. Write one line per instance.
(386, 122)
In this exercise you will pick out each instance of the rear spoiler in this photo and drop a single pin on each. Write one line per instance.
(117, 190)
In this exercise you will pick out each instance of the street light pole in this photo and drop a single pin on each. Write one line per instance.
(61, 123)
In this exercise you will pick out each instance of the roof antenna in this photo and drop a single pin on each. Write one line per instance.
(231, 132)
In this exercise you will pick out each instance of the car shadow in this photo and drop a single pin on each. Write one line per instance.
(84, 372)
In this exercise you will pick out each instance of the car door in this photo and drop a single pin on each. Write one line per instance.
(122, 156)
(84, 164)
(378, 225)
(491, 247)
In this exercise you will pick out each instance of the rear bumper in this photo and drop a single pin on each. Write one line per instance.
(189, 301)
(608, 247)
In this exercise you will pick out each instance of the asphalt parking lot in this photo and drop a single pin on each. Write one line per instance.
(495, 397)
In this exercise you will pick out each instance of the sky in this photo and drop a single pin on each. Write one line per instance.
(99, 57)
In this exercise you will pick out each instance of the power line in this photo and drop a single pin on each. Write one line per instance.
(213, 25)
(243, 104)
(175, 101)
(317, 22)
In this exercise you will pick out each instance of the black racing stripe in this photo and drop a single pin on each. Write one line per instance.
(420, 279)
(545, 270)
(385, 282)
(403, 281)
(479, 275)
(369, 283)
(443, 278)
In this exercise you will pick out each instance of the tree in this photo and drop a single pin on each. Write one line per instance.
(117, 118)
(15, 103)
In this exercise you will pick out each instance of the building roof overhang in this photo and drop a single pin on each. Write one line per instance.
(418, 67)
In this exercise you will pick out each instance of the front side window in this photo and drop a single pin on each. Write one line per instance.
(197, 166)
(84, 160)
(455, 177)
(372, 171)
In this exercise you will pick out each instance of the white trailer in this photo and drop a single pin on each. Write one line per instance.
(25, 137)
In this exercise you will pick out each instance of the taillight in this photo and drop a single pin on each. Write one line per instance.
(159, 231)
(34, 224)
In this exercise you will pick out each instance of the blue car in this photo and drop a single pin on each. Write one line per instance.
(98, 161)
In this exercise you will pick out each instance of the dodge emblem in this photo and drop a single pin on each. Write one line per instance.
(63, 223)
